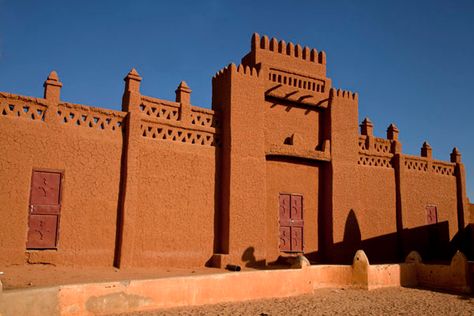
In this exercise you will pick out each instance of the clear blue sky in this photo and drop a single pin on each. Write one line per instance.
(412, 62)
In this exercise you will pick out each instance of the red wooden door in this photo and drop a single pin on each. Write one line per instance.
(431, 214)
(45, 207)
(296, 223)
(291, 223)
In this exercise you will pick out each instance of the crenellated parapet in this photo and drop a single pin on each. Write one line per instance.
(275, 53)
(344, 94)
(290, 49)
(291, 73)
(224, 79)
(243, 70)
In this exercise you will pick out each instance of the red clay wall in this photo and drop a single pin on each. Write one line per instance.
(377, 201)
(376, 213)
(342, 177)
(238, 93)
(283, 121)
(177, 203)
(426, 188)
(90, 159)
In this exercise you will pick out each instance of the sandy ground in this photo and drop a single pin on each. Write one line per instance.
(390, 301)
(39, 275)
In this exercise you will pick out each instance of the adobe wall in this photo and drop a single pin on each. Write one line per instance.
(394, 191)
(361, 179)
(439, 192)
(36, 136)
(176, 208)
(150, 200)
(238, 94)
(177, 187)
(286, 124)
(377, 204)
(342, 197)
(169, 218)
(411, 185)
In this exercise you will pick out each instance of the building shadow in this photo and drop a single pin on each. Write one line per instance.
(432, 242)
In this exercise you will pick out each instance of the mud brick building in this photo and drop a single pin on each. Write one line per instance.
(279, 166)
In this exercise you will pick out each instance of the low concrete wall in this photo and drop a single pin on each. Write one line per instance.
(454, 277)
(366, 276)
(392, 275)
(197, 290)
(142, 295)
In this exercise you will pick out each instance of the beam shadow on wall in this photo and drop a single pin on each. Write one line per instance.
(290, 105)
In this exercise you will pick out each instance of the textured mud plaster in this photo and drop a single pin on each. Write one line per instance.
(168, 183)
(90, 160)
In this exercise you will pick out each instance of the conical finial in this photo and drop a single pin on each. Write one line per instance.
(426, 150)
(53, 75)
(132, 81)
(367, 128)
(392, 132)
(133, 74)
(183, 93)
(52, 87)
(183, 85)
(455, 155)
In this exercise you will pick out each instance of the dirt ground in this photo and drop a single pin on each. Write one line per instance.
(390, 301)
(40, 275)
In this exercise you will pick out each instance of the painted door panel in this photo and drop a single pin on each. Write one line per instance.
(42, 231)
(44, 211)
(285, 238)
(291, 222)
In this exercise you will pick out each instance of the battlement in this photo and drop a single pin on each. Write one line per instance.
(346, 94)
(271, 53)
(240, 69)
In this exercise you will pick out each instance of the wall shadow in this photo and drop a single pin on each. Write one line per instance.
(430, 241)
(325, 216)
(464, 241)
